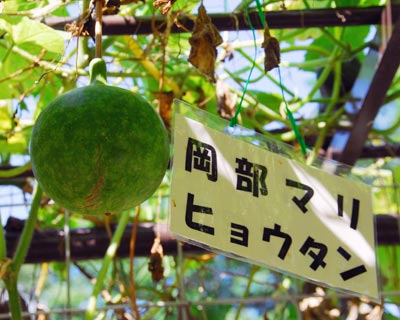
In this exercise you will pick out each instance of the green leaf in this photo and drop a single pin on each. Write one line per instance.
(21, 34)
(13, 139)
(25, 31)
(290, 36)
(5, 116)
(217, 312)
(359, 3)
(16, 144)
(47, 92)
(16, 75)
(271, 100)
(353, 38)
(59, 269)
(11, 6)
(389, 267)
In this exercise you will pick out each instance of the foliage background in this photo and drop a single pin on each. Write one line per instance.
(38, 63)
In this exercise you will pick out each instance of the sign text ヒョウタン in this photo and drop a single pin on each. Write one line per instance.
(238, 198)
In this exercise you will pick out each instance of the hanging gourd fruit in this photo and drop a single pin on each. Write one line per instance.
(99, 149)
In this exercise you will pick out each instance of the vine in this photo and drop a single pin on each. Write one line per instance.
(11, 273)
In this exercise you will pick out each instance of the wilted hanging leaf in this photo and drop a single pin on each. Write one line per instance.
(78, 27)
(164, 107)
(271, 50)
(226, 101)
(227, 53)
(204, 40)
(167, 6)
(124, 2)
(315, 306)
(111, 7)
(155, 263)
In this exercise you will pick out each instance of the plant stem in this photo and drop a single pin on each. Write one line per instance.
(132, 244)
(335, 41)
(388, 131)
(392, 96)
(149, 65)
(259, 67)
(45, 64)
(315, 63)
(14, 301)
(109, 256)
(321, 80)
(310, 48)
(236, 74)
(253, 271)
(329, 110)
(19, 257)
(291, 33)
(27, 233)
(15, 171)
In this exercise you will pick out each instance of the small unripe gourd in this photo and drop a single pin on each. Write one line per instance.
(99, 149)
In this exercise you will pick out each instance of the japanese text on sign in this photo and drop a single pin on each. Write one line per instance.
(246, 201)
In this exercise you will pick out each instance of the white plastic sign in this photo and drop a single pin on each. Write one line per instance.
(230, 195)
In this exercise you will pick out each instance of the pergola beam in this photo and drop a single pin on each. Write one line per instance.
(91, 243)
(283, 19)
(354, 140)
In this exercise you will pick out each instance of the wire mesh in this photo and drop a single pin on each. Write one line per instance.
(199, 286)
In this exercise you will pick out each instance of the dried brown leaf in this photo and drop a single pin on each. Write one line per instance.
(226, 101)
(111, 7)
(316, 306)
(123, 2)
(204, 40)
(228, 52)
(271, 50)
(167, 5)
(155, 264)
(78, 27)
(165, 99)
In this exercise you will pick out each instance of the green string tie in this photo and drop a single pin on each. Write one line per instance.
(292, 121)
(234, 119)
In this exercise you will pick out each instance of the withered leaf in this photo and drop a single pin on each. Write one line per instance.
(78, 27)
(155, 267)
(272, 51)
(111, 7)
(227, 53)
(123, 2)
(155, 263)
(165, 99)
(204, 40)
(226, 101)
(167, 5)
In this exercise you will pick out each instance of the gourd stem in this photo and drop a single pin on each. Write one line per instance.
(98, 29)
(97, 71)
(109, 256)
